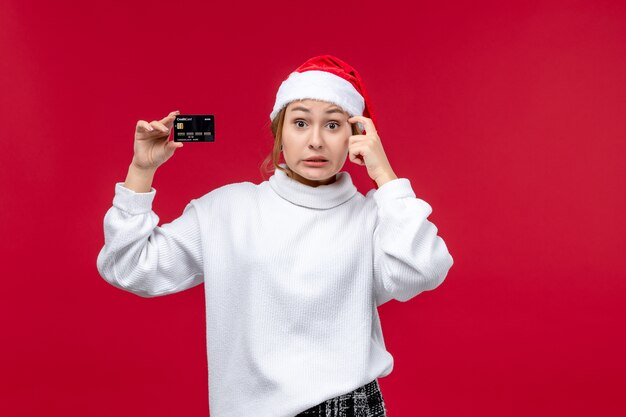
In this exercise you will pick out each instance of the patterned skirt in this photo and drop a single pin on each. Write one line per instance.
(365, 401)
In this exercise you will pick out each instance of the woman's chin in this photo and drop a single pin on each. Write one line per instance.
(319, 176)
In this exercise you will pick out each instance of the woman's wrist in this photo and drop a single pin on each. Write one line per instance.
(139, 179)
(385, 177)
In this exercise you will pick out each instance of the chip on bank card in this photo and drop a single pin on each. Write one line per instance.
(194, 128)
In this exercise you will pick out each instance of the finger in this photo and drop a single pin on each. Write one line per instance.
(364, 123)
(174, 145)
(356, 156)
(368, 124)
(169, 119)
(159, 126)
(143, 126)
(357, 159)
(354, 139)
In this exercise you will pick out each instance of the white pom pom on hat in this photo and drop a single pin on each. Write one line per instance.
(325, 78)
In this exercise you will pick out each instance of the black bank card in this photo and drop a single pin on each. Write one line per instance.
(194, 128)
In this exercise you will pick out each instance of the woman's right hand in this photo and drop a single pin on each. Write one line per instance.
(152, 144)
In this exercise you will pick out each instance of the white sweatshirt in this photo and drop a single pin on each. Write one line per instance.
(292, 278)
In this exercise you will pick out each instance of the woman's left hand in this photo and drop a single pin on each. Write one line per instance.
(368, 150)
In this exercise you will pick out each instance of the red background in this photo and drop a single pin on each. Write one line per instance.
(508, 118)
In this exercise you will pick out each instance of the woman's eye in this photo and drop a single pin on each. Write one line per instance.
(302, 123)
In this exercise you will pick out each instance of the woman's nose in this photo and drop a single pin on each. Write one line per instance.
(316, 140)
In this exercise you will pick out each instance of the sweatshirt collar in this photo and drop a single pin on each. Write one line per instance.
(320, 197)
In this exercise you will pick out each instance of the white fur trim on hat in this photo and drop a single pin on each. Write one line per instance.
(319, 85)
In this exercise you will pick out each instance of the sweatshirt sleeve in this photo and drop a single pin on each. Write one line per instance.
(140, 257)
(409, 257)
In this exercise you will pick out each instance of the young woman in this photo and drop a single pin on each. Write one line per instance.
(294, 267)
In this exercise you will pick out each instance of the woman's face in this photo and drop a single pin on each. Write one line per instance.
(315, 130)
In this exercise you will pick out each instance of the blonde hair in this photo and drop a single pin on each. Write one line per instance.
(274, 157)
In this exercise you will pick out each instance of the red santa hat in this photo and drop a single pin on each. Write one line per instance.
(326, 78)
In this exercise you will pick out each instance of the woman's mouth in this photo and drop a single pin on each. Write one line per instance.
(315, 162)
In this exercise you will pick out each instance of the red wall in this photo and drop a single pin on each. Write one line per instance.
(509, 119)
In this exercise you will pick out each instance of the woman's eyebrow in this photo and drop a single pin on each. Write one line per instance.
(335, 110)
(304, 109)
